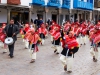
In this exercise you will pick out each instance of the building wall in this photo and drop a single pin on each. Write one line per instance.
(46, 1)
(23, 2)
(3, 16)
(26, 2)
(71, 4)
(3, 1)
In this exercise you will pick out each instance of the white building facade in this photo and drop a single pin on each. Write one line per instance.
(57, 10)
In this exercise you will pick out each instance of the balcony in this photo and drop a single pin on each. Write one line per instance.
(83, 5)
(66, 4)
(54, 3)
(97, 4)
(38, 2)
(13, 2)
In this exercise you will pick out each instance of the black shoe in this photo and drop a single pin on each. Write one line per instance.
(4, 52)
(65, 68)
(69, 71)
(55, 51)
(32, 61)
(11, 56)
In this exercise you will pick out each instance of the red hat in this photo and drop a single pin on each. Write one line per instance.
(72, 33)
(98, 23)
(76, 23)
(72, 24)
(26, 25)
(42, 25)
(97, 28)
(3, 25)
(32, 30)
(53, 22)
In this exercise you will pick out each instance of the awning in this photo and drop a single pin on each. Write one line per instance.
(8, 5)
(98, 9)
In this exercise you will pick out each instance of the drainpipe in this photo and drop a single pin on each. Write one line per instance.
(8, 15)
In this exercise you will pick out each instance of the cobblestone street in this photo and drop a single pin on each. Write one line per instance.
(47, 62)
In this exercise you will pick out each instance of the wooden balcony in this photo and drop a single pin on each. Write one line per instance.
(97, 4)
(54, 3)
(13, 2)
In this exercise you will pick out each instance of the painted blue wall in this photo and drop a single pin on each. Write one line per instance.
(38, 2)
(83, 5)
(66, 4)
(54, 3)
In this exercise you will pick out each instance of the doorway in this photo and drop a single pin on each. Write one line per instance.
(75, 17)
(54, 17)
(19, 16)
(83, 16)
(80, 19)
(67, 18)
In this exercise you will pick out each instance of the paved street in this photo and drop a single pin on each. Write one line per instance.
(47, 62)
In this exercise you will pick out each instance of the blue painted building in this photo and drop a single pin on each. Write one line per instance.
(83, 4)
(66, 4)
(38, 2)
(54, 3)
(69, 9)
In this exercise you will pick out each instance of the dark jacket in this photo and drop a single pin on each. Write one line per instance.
(36, 21)
(40, 22)
(15, 30)
(64, 51)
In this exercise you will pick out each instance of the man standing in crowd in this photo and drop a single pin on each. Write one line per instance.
(36, 22)
(40, 22)
(49, 22)
(11, 30)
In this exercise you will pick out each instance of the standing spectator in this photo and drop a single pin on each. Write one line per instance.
(40, 22)
(11, 30)
(49, 22)
(36, 21)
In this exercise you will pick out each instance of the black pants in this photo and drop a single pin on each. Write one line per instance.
(11, 49)
(42, 36)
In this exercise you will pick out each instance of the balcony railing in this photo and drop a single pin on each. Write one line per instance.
(54, 3)
(38, 2)
(66, 4)
(83, 5)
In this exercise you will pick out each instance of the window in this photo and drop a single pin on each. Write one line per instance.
(54, 1)
(66, 2)
(88, 0)
(91, 1)
(80, 0)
